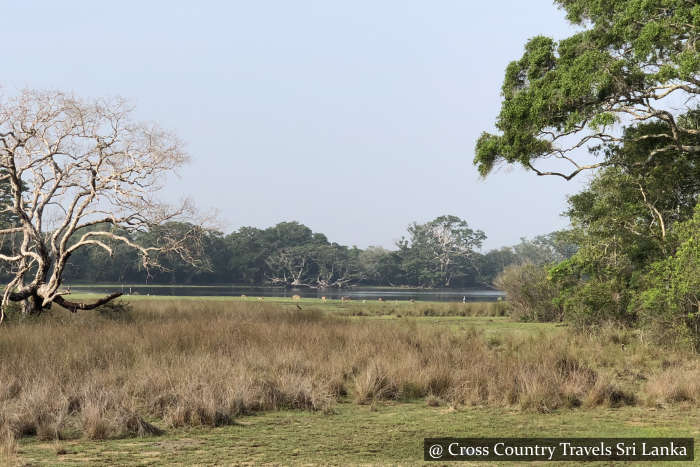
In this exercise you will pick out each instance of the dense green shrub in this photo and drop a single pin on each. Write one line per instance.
(530, 293)
(597, 301)
(670, 304)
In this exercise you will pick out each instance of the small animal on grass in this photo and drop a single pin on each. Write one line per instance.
(323, 299)
(380, 299)
(260, 299)
(413, 301)
(296, 297)
(244, 296)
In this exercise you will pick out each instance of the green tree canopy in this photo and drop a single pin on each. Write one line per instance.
(624, 222)
(635, 61)
(440, 250)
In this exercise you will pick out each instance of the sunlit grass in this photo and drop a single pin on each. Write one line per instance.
(176, 364)
(386, 434)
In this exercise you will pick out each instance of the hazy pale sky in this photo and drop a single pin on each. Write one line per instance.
(355, 118)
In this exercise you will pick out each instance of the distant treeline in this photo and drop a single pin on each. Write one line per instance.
(440, 253)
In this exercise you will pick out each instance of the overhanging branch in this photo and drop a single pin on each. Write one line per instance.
(76, 306)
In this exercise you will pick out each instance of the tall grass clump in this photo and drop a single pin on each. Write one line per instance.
(418, 309)
(169, 363)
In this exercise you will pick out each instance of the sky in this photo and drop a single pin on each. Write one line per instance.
(355, 118)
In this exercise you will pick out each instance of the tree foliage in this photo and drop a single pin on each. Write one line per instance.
(542, 251)
(624, 87)
(440, 250)
(634, 61)
(531, 295)
(440, 253)
(670, 300)
(624, 223)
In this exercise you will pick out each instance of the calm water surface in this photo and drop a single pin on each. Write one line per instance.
(368, 293)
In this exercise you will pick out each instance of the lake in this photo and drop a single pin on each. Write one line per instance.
(356, 293)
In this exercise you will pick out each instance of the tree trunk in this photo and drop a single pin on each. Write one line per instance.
(32, 305)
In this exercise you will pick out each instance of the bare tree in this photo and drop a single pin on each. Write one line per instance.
(69, 165)
(337, 266)
(288, 266)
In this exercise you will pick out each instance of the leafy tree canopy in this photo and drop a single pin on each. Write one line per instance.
(440, 250)
(634, 61)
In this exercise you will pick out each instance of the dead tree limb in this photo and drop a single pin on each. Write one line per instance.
(76, 306)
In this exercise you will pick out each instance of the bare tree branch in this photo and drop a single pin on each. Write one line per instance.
(70, 165)
(75, 306)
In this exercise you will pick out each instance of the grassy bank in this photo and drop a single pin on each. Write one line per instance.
(177, 365)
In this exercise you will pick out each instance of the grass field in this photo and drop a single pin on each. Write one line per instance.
(238, 380)
(389, 433)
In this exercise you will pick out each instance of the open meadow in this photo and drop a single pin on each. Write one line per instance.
(158, 381)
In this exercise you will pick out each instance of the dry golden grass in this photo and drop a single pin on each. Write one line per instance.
(8, 443)
(679, 383)
(170, 363)
(404, 308)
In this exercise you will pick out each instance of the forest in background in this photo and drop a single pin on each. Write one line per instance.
(442, 253)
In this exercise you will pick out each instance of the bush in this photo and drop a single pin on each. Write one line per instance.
(529, 292)
(670, 305)
(596, 302)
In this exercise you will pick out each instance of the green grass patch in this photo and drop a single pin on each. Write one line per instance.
(381, 434)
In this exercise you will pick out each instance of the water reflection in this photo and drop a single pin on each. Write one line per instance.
(356, 293)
